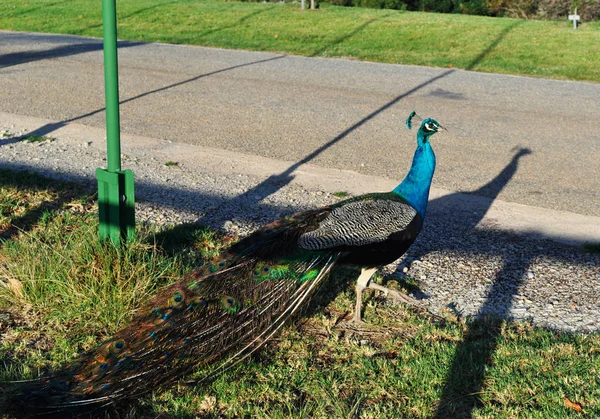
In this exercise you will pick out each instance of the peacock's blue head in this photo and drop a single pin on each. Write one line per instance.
(428, 127)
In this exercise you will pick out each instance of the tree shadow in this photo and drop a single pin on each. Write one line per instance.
(145, 9)
(83, 45)
(463, 385)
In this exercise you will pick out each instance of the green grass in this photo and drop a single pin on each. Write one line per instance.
(27, 199)
(499, 45)
(171, 164)
(65, 291)
(36, 139)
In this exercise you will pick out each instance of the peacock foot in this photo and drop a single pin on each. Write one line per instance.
(357, 320)
(396, 296)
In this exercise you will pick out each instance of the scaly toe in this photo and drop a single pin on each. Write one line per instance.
(396, 295)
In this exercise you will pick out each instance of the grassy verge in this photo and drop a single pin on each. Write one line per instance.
(499, 45)
(62, 291)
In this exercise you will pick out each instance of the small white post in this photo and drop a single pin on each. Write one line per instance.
(575, 18)
(303, 4)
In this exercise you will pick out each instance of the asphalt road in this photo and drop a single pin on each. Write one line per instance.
(525, 140)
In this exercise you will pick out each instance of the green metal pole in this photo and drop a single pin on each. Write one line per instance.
(115, 186)
(111, 80)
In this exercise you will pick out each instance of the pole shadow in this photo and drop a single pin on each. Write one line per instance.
(221, 209)
(29, 218)
(241, 21)
(465, 379)
(85, 45)
(494, 44)
(463, 385)
(123, 17)
(460, 394)
(49, 128)
(275, 182)
(33, 9)
(349, 35)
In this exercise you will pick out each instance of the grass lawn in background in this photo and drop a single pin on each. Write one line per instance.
(498, 45)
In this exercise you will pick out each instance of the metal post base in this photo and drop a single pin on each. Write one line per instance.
(116, 201)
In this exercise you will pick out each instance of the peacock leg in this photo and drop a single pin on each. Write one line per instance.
(396, 295)
(361, 284)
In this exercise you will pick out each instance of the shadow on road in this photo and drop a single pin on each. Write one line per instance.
(16, 58)
(49, 128)
(276, 182)
(465, 380)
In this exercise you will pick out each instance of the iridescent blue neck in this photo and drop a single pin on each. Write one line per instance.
(415, 186)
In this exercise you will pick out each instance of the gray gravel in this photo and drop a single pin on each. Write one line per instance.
(469, 270)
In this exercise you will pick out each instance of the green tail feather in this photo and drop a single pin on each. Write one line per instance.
(218, 317)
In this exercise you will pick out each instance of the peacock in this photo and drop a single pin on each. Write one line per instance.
(230, 307)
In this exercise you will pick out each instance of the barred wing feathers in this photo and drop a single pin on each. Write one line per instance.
(359, 223)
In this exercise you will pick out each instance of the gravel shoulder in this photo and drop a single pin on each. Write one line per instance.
(475, 256)
(335, 113)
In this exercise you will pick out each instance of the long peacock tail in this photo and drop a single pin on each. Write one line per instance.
(226, 311)
(219, 316)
